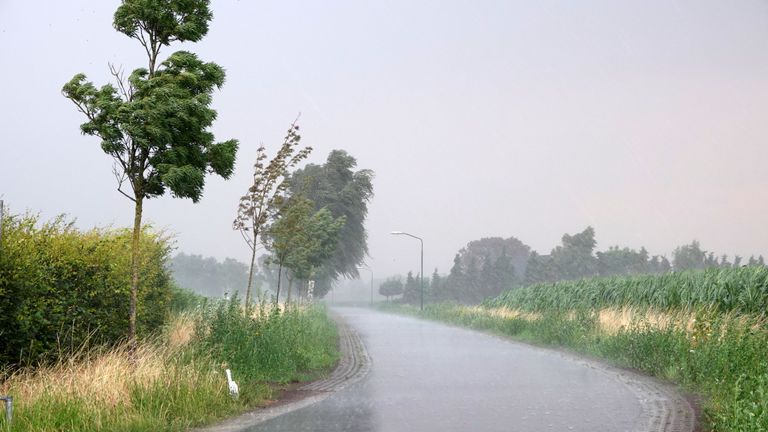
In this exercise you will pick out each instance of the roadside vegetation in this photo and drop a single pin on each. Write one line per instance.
(61, 288)
(65, 358)
(175, 379)
(706, 330)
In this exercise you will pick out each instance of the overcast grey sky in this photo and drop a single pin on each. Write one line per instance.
(647, 120)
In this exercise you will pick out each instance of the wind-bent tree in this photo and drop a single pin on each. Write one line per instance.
(302, 239)
(155, 122)
(267, 193)
(345, 192)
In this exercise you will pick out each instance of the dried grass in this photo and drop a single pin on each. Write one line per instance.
(106, 378)
(507, 313)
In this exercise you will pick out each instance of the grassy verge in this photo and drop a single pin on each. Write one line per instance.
(721, 356)
(176, 380)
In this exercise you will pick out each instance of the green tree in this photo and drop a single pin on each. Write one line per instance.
(689, 256)
(492, 248)
(436, 287)
(486, 267)
(574, 259)
(344, 192)
(267, 194)
(456, 280)
(536, 269)
(391, 287)
(155, 123)
(302, 239)
(622, 261)
(412, 289)
(504, 273)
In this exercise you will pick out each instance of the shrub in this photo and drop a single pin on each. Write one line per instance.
(61, 287)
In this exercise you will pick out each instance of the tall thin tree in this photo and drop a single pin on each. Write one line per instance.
(155, 123)
(267, 193)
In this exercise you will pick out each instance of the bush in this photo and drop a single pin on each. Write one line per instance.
(61, 288)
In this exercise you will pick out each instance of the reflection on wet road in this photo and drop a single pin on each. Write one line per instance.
(430, 377)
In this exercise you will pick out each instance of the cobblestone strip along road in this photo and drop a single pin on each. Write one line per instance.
(353, 365)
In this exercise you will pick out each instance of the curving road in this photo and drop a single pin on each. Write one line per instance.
(426, 376)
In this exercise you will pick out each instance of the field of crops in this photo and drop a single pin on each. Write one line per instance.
(742, 290)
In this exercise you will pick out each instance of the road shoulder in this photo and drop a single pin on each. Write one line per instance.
(354, 364)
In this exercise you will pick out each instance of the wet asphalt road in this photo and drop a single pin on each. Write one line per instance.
(431, 377)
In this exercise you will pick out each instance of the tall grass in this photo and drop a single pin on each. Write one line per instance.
(175, 380)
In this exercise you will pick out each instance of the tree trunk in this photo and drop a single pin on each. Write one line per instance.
(250, 273)
(135, 264)
(290, 286)
(279, 278)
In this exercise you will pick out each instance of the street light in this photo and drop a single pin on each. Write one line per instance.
(368, 268)
(422, 261)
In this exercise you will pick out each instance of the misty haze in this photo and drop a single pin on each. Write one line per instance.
(383, 216)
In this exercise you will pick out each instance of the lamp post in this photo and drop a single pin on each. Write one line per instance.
(422, 261)
(369, 269)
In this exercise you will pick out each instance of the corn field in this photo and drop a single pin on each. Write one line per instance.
(742, 290)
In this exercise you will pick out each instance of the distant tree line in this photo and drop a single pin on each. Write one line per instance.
(209, 277)
(489, 266)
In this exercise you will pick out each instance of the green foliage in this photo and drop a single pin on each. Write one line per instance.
(573, 259)
(60, 287)
(276, 346)
(344, 192)
(182, 299)
(743, 289)
(155, 125)
(411, 289)
(624, 261)
(303, 239)
(267, 194)
(483, 268)
(689, 257)
(391, 287)
(175, 388)
(174, 20)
